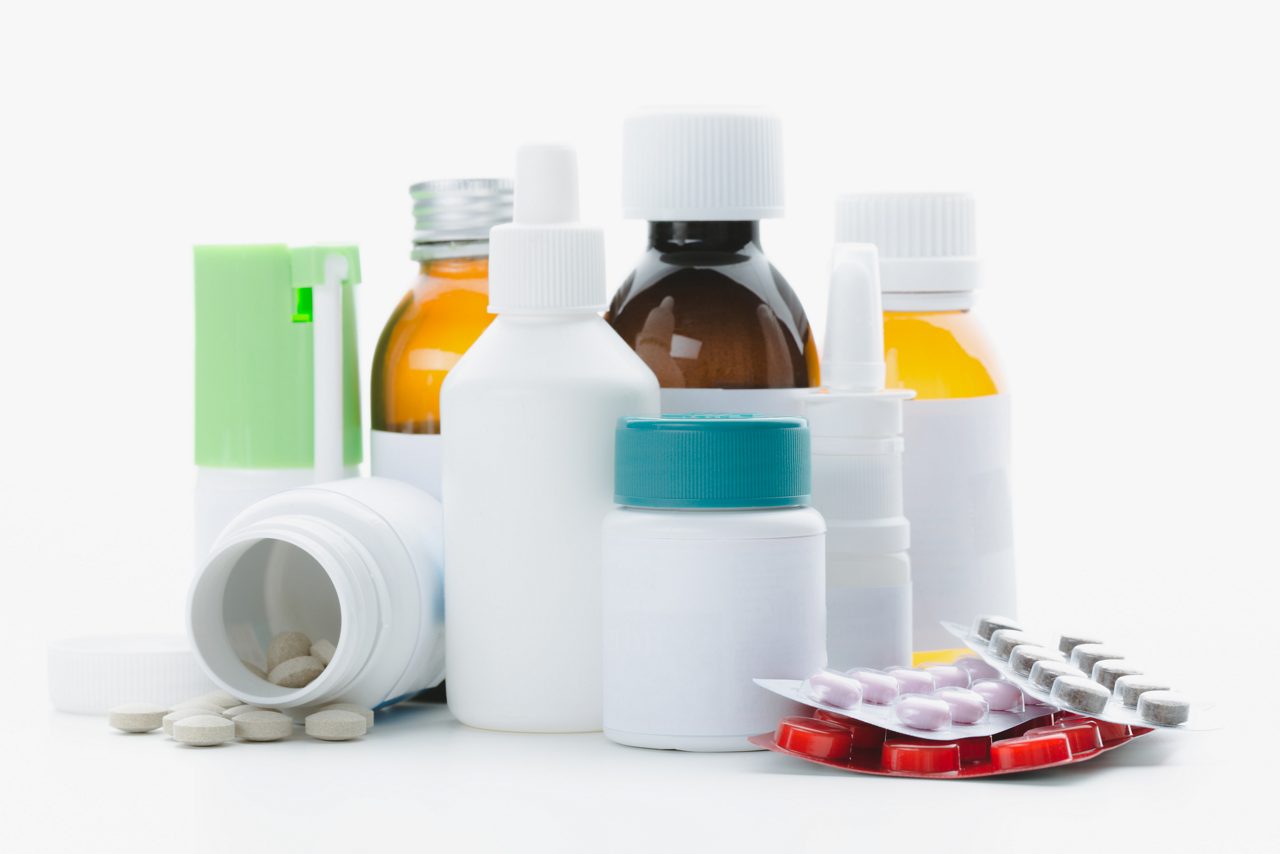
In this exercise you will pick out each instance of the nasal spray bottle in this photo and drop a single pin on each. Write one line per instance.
(528, 417)
(856, 430)
(277, 391)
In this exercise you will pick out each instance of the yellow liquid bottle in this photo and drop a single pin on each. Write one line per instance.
(956, 430)
(441, 316)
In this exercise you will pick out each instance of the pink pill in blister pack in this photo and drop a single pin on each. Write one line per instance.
(877, 687)
(834, 689)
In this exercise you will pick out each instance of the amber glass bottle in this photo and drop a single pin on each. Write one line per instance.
(704, 308)
(444, 312)
(709, 314)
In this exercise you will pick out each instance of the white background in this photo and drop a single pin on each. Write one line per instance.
(1125, 159)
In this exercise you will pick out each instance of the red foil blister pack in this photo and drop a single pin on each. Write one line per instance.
(836, 741)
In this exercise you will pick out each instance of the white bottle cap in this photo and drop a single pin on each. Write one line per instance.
(926, 240)
(545, 261)
(702, 165)
(88, 676)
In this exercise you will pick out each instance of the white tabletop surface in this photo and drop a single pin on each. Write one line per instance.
(422, 780)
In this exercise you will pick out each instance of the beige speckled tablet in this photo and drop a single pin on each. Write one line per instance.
(178, 714)
(1164, 707)
(221, 699)
(199, 705)
(203, 730)
(285, 646)
(137, 717)
(254, 669)
(335, 725)
(263, 725)
(296, 672)
(323, 650)
(237, 711)
(367, 714)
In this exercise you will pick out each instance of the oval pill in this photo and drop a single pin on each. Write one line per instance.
(950, 675)
(912, 681)
(977, 668)
(877, 688)
(1001, 696)
(335, 725)
(203, 730)
(263, 725)
(296, 672)
(137, 717)
(178, 714)
(921, 712)
(285, 646)
(834, 689)
(967, 706)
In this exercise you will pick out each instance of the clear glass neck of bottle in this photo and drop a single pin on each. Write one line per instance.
(708, 236)
(425, 253)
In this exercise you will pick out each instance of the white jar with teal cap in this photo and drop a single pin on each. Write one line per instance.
(714, 575)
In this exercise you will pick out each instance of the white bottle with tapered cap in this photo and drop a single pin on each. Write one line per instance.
(528, 418)
(856, 431)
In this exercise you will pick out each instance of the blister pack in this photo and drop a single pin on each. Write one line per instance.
(1082, 674)
(849, 744)
(933, 702)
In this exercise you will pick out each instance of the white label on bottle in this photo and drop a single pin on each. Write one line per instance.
(737, 401)
(410, 457)
(956, 491)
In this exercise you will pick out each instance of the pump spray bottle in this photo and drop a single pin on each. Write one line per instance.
(856, 430)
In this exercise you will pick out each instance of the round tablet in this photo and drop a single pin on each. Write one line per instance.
(263, 725)
(220, 699)
(335, 725)
(367, 714)
(1004, 640)
(178, 714)
(296, 672)
(137, 717)
(985, 627)
(1045, 672)
(285, 646)
(1107, 671)
(967, 706)
(1066, 643)
(198, 705)
(323, 650)
(1088, 654)
(912, 681)
(203, 730)
(950, 675)
(977, 668)
(878, 688)
(1001, 696)
(921, 712)
(1023, 656)
(236, 711)
(1164, 707)
(1079, 693)
(1129, 688)
(834, 689)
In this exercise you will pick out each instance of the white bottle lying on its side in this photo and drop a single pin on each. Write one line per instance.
(528, 415)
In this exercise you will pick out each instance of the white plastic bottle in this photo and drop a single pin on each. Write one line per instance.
(355, 562)
(713, 577)
(856, 430)
(528, 419)
(957, 428)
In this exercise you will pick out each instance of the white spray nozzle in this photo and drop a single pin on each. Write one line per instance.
(546, 185)
(854, 357)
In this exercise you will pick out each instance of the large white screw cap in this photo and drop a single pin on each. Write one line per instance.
(927, 241)
(720, 164)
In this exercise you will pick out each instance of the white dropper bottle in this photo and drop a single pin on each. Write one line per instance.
(529, 414)
(856, 431)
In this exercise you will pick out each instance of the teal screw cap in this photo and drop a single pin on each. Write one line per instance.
(712, 462)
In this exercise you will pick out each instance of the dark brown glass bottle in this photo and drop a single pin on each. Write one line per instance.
(714, 320)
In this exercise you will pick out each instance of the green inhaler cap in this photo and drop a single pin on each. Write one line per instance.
(254, 355)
